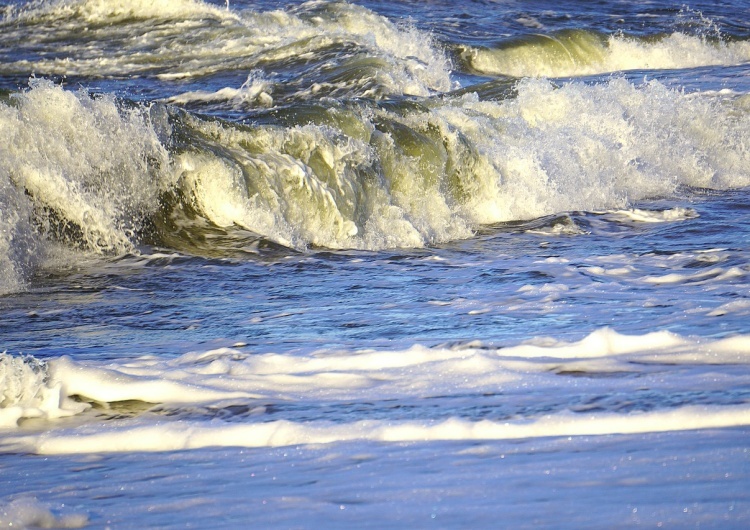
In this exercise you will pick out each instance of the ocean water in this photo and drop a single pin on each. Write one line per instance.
(384, 264)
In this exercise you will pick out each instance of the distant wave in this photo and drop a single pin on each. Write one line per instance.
(335, 48)
(575, 53)
(113, 11)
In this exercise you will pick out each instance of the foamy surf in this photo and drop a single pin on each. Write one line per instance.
(186, 393)
(28, 393)
(280, 433)
(80, 170)
(303, 264)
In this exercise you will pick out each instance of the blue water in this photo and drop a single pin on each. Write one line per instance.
(287, 180)
(393, 299)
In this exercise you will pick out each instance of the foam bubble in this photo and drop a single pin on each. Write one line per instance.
(28, 512)
(27, 392)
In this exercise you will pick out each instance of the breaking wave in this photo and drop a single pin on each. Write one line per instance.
(100, 175)
(574, 53)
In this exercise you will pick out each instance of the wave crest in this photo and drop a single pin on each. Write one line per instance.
(576, 53)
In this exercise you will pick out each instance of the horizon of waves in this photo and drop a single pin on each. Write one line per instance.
(320, 48)
(102, 175)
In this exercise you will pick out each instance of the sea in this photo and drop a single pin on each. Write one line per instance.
(374, 264)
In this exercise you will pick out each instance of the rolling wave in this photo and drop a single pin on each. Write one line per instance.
(101, 175)
(574, 53)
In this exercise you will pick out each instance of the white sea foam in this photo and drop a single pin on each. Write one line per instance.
(26, 392)
(363, 178)
(741, 307)
(88, 171)
(19, 245)
(227, 376)
(106, 385)
(654, 216)
(254, 92)
(81, 168)
(710, 275)
(109, 11)
(573, 148)
(172, 437)
(417, 66)
(28, 512)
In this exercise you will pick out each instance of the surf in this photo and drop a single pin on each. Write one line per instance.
(351, 174)
(154, 404)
